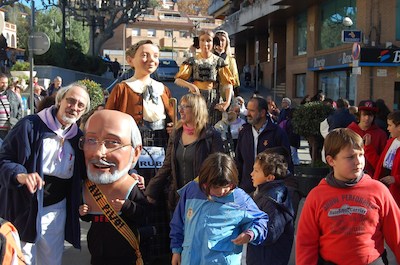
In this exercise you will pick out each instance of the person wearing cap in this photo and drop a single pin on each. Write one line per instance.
(373, 136)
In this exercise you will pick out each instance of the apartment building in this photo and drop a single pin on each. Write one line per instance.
(304, 46)
(172, 30)
(8, 30)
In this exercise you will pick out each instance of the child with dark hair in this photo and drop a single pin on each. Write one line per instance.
(214, 218)
(348, 217)
(388, 167)
(381, 116)
(290, 180)
(272, 196)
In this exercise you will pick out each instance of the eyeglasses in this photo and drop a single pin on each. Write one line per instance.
(73, 102)
(92, 143)
(183, 107)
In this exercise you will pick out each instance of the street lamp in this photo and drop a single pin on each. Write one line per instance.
(101, 16)
(173, 41)
(347, 22)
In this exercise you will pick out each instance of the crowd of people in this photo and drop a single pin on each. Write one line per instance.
(226, 191)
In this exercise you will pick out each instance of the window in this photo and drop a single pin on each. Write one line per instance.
(397, 20)
(338, 84)
(301, 37)
(300, 85)
(135, 32)
(331, 18)
(151, 33)
(183, 33)
(168, 33)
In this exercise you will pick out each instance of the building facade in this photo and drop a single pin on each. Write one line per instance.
(8, 30)
(304, 46)
(165, 26)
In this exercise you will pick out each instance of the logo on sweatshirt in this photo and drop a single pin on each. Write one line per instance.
(347, 210)
(189, 213)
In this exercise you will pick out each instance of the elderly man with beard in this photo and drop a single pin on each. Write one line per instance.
(112, 145)
(257, 135)
(41, 170)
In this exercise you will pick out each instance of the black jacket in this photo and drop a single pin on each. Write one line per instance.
(165, 181)
(273, 198)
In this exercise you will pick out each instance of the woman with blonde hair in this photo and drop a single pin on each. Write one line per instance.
(192, 140)
(208, 72)
(223, 50)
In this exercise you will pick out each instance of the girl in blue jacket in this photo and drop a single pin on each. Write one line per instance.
(214, 218)
(272, 196)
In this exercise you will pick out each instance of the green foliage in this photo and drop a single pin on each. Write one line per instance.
(50, 22)
(306, 121)
(193, 7)
(154, 4)
(95, 92)
(13, 15)
(20, 66)
(72, 58)
(54, 56)
(307, 118)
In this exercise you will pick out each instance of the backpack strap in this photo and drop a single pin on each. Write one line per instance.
(10, 246)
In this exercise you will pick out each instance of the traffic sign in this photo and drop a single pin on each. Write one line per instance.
(351, 36)
(39, 43)
(355, 51)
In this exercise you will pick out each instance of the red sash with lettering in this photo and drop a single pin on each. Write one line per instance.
(114, 219)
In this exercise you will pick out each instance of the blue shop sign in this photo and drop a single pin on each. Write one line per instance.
(380, 57)
(351, 36)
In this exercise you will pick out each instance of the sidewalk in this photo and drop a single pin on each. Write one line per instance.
(248, 92)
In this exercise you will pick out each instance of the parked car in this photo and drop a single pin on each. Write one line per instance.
(125, 75)
(166, 70)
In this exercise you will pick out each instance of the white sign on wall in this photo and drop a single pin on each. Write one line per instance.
(381, 72)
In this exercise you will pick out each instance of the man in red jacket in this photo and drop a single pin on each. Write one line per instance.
(373, 136)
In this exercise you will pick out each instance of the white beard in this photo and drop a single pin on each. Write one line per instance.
(106, 177)
(68, 120)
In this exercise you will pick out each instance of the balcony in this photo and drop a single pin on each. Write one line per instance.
(219, 8)
(180, 43)
(169, 19)
(251, 11)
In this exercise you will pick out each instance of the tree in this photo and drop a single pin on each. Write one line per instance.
(50, 22)
(7, 2)
(14, 14)
(306, 121)
(102, 17)
(193, 7)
